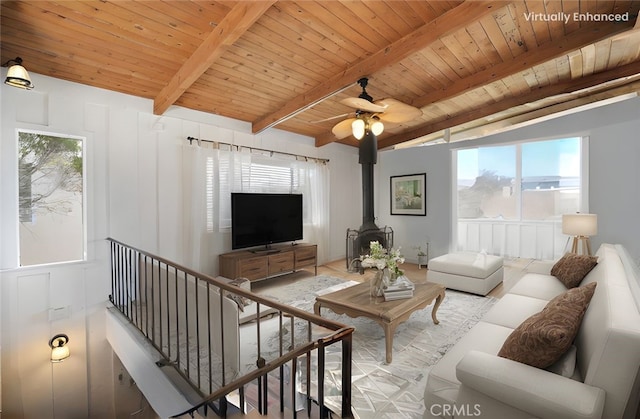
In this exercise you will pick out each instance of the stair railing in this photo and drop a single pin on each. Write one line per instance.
(190, 319)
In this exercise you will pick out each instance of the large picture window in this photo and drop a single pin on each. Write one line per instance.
(212, 171)
(510, 198)
(51, 198)
(246, 172)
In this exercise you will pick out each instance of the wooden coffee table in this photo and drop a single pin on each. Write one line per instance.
(355, 301)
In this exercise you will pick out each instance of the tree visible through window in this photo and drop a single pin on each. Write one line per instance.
(50, 198)
(510, 198)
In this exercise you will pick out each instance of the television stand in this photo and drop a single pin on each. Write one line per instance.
(266, 263)
(265, 251)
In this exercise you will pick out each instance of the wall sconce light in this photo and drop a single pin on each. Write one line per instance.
(59, 347)
(17, 76)
(581, 227)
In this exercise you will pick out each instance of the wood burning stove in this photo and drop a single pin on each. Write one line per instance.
(358, 240)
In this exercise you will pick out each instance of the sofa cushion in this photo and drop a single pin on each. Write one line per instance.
(512, 309)
(442, 385)
(545, 287)
(572, 268)
(544, 337)
(566, 365)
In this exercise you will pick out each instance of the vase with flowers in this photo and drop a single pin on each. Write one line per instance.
(386, 263)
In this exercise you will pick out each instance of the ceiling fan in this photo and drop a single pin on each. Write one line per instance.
(372, 116)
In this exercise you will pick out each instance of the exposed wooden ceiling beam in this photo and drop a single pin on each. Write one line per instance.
(552, 90)
(574, 41)
(480, 126)
(233, 26)
(544, 53)
(453, 20)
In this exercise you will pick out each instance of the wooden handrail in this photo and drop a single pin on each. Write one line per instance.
(132, 286)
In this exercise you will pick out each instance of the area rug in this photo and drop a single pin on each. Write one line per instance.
(383, 390)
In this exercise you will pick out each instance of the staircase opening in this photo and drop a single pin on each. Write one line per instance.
(191, 321)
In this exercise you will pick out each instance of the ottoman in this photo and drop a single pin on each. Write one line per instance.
(477, 273)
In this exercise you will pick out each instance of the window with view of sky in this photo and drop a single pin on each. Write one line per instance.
(525, 181)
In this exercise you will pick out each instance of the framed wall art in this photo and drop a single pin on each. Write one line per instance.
(408, 194)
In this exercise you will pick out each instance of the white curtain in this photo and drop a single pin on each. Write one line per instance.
(314, 186)
(198, 175)
(233, 167)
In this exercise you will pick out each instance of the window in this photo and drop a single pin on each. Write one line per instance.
(51, 198)
(246, 172)
(485, 183)
(213, 170)
(513, 196)
(550, 184)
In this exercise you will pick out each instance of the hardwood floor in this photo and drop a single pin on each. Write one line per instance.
(514, 268)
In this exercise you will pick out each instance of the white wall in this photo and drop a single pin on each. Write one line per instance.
(614, 177)
(409, 230)
(134, 193)
(31, 385)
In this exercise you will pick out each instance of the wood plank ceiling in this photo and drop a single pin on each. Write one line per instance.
(288, 64)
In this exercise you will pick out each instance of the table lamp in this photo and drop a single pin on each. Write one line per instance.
(581, 227)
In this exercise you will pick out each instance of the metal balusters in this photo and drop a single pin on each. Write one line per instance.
(138, 292)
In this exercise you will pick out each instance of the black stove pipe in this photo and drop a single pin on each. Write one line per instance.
(368, 157)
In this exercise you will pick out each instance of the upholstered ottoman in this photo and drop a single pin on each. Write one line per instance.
(477, 273)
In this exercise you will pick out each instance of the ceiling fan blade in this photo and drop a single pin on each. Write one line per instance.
(331, 118)
(363, 104)
(397, 111)
(343, 128)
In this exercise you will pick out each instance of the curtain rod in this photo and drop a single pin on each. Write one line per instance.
(317, 159)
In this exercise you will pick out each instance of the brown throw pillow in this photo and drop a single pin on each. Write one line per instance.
(572, 268)
(543, 338)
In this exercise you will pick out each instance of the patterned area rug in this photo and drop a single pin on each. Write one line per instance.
(395, 390)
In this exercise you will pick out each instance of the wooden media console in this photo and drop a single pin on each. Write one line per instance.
(262, 264)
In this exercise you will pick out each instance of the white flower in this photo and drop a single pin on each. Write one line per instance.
(368, 262)
(380, 259)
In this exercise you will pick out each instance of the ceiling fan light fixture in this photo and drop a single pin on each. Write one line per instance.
(17, 76)
(377, 127)
(358, 128)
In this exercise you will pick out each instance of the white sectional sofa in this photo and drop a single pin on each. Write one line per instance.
(471, 380)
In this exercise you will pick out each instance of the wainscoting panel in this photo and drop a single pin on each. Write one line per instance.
(533, 239)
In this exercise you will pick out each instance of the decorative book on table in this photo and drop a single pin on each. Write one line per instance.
(401, 288)
(397, 295)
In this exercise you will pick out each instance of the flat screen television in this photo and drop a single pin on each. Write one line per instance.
(261, 219)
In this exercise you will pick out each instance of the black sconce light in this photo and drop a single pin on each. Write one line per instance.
(59, 347)
(17, 76)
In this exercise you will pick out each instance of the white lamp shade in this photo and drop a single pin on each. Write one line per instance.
(59, 353)
(580, 224)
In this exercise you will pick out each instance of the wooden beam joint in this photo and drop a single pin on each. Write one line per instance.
(243, 15)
